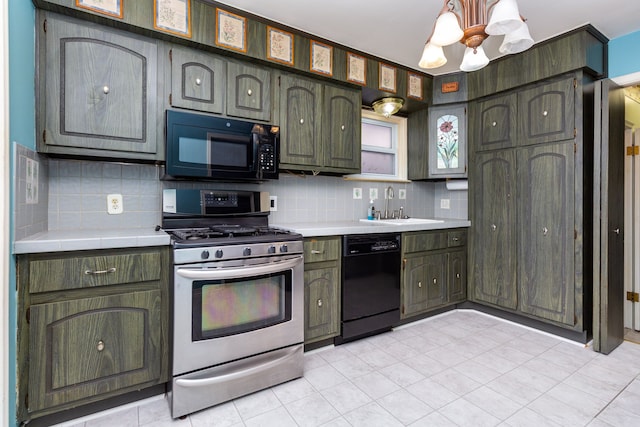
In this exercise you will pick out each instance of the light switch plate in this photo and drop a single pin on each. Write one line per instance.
(373, 194)
(445, 204)
(402, 194)
(357, 193)
(114, 204)
(273, 203)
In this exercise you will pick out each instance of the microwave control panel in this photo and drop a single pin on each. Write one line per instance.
(267, 157)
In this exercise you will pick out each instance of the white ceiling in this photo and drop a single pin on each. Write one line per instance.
(397, 30)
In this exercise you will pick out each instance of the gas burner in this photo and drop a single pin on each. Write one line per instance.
(235, 230)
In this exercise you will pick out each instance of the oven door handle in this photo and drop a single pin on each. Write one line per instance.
(239, 373)
(247, 271)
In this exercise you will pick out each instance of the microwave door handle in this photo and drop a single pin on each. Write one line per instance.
(247, 271)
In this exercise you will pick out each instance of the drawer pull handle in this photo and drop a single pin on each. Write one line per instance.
(100, 345)
(455, 239)
(198, 82)
(105, 90)
(319, 303)
(94, 272)
(316, 252)
(419, 284)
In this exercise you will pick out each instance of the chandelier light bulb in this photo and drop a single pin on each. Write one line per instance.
(447, 30)
(505, 18)
(517, 41)
(474, 59)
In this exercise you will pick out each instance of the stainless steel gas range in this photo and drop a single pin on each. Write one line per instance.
(238, 295)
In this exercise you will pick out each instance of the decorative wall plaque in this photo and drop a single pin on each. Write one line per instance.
(231, 30)
(356, 68)
(321, 58)
(279, 46)
(106, 7)
(172, 16)
(387, 78)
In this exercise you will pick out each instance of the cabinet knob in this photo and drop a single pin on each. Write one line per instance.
(435, 281)
(494, 227)
(198, 82)
(617, 231)
(455, 239)
(457, 275)
(301, 121)
(100, 345)
(545, 113)
(94, 272)
(419, 284)
(494, 124)
(545, 231)
(105, 90)
(249, 92)
(342, 127)
(319, 303)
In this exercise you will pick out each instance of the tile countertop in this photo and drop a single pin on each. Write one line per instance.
(316, 229)
(74, 240)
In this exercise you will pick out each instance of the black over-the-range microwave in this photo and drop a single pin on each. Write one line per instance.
(209, 147)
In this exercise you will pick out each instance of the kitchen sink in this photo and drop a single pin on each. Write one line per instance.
(401, 221)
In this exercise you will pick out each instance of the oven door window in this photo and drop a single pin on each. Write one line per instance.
(234, 306)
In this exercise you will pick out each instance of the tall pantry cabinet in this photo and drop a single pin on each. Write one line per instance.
(528, 188)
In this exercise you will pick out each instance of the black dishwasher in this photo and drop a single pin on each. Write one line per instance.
(370, 285)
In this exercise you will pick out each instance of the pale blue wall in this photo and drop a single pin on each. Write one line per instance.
(624, 55)
(22, 130)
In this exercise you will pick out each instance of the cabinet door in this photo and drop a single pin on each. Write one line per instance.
(100, 91)
(546, 231)
(300, 121)
(457, 277)
(197, 80)
(343, 127)
(322, 302)
(493, 229)
(424, 284)
(248, 91)
(546, 113)
(85, 347)
(493, 123)
(448, 141)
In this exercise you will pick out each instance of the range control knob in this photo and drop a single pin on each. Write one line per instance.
(246, 251)
(271, 250)
(204, 255)
(284, 248)
(219, 253)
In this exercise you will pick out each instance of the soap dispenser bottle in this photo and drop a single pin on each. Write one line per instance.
(371, 210)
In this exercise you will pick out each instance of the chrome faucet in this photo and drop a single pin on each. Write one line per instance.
(390, 195)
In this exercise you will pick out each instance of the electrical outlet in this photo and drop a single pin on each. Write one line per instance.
(357, 193)
(373, 194)
(273, 203)
(402, 194)
(445, 204)
(114, 204)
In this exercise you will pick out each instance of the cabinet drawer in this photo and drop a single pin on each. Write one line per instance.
(66, 272)
(457, 238)
(80, 348)
(321, 249)
(418, 242)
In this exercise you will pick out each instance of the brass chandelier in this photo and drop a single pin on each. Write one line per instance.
(471, 22)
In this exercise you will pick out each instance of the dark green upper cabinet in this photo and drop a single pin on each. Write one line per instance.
(448, 141)
(97, 91)
(342, 128)
(248, 91)
(546, 113)
(493, 122)
(197, 80)
(300, 117)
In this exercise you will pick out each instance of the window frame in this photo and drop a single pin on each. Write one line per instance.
(399, 140)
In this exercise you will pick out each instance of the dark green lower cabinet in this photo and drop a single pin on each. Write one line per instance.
(322, 258)
(84, 347)
(434, 270)
(91, 325)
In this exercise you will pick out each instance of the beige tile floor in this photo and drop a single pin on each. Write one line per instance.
(462, 368)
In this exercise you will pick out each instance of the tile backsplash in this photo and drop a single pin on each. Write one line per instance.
(74, 196)
(30, 192)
